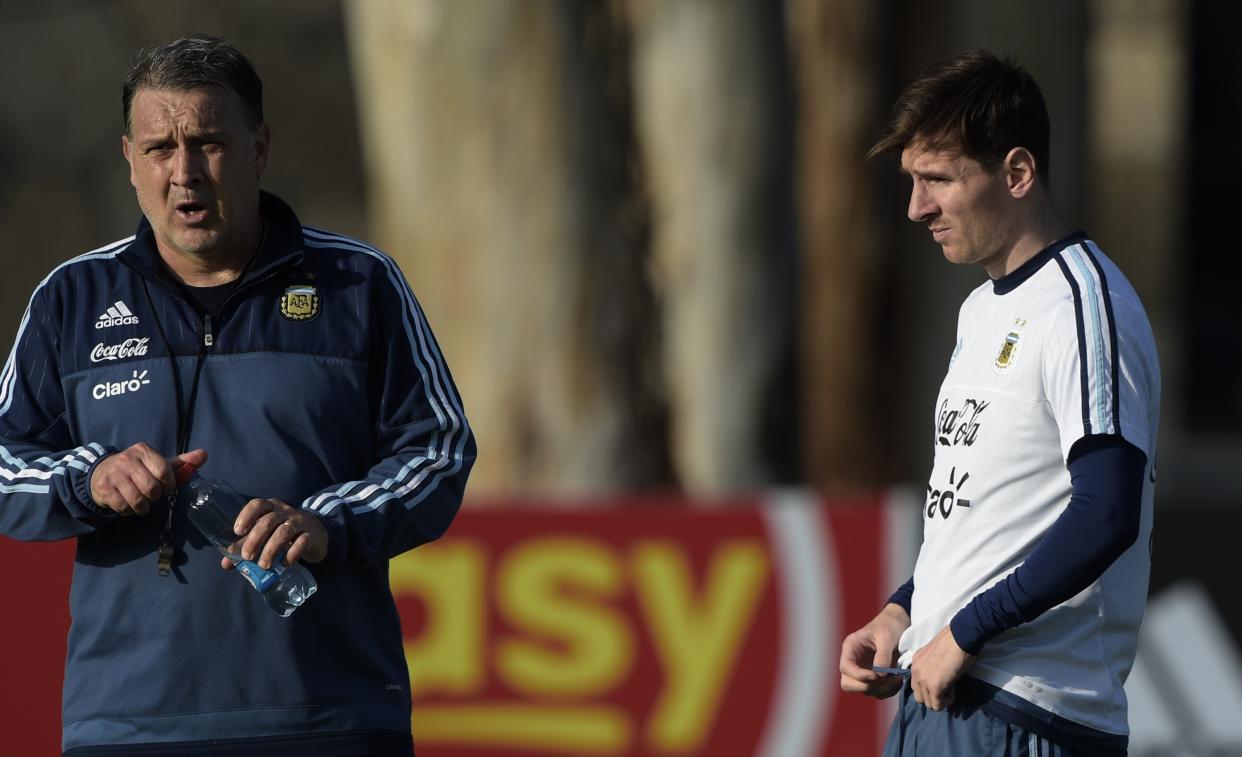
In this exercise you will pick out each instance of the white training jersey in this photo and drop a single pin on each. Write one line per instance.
(1058, 350)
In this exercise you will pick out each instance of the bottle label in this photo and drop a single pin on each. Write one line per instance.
(259, 578)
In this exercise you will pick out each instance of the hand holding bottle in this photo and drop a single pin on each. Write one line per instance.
(217, 510)
(272, 527)
(269, 527)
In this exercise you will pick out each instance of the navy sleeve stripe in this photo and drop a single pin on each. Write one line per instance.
(446, 458)
(1101, 354)
(1115, 364)
(1082, 346)
(1101, 339)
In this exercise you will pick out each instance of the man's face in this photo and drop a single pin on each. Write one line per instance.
(967, 209)
(195, 166)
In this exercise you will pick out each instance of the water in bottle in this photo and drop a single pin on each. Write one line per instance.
(213, 507)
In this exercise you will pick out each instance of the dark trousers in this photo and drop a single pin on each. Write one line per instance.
(961, 731)
(353, 744)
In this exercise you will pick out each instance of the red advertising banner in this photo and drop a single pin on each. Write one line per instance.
(34, 597)
(635, 627)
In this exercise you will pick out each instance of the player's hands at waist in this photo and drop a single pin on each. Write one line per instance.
(936, 668)
(269, 527)
(127, 482)
(875, 644)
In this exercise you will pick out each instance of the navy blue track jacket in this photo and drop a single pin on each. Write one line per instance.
(320, 384)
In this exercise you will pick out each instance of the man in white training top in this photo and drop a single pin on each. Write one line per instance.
(1020, 623)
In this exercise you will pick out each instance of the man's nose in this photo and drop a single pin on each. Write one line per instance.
(187, 166)
(922, 206)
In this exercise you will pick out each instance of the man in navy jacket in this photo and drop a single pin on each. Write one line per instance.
(296, 365)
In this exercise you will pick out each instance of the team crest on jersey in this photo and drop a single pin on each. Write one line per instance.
(1008, 352)
(300, 303)
(1009, 349)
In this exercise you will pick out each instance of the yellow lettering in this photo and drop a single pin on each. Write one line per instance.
(448, 655)
(552, 589)
(577, 730)
(696, 638)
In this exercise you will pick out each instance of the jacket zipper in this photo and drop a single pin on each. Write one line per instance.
(166, 552)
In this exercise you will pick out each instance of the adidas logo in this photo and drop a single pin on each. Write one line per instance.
(116, 315)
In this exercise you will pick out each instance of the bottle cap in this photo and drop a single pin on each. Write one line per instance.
(183, 471)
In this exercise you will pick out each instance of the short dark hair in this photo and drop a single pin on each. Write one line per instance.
(977, 103)
(199, 60)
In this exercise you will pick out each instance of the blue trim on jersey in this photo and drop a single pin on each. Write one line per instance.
(1082, 346)
(1097, 335)
(1112, 337)
(1010, 281)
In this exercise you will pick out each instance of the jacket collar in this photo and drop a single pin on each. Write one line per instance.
(282, 246)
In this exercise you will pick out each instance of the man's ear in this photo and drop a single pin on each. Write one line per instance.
(262, 143)
(1020, 172)
(127, 149)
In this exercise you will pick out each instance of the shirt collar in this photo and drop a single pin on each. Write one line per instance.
(1010, 281)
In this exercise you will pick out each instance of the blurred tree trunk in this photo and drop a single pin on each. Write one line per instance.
(1138, 149)
(496, 142)
(833, 43)
(707, 91)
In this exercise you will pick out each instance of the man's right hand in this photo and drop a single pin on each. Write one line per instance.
(874, 644)
(128, 482)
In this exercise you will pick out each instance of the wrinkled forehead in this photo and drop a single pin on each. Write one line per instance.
(209, 107)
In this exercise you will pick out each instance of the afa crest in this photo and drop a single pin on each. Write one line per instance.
(300, 303)
(1008, 351)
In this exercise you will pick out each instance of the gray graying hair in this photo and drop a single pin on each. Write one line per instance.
(194, 62)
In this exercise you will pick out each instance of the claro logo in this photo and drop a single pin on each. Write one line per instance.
(115, 388)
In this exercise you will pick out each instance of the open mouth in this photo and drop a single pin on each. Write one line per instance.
(192, 212)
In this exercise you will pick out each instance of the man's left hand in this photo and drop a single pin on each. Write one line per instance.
(935, 670)
(269, 527)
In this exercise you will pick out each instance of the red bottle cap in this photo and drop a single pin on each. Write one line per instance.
(183, 471)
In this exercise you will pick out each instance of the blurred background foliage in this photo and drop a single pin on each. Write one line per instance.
(643, 230)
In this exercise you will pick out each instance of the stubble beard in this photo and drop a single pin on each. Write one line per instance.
(200, 243)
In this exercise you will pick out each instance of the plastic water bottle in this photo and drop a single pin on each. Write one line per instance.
(213, 508)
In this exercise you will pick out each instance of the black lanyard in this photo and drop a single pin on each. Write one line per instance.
(185, 412)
